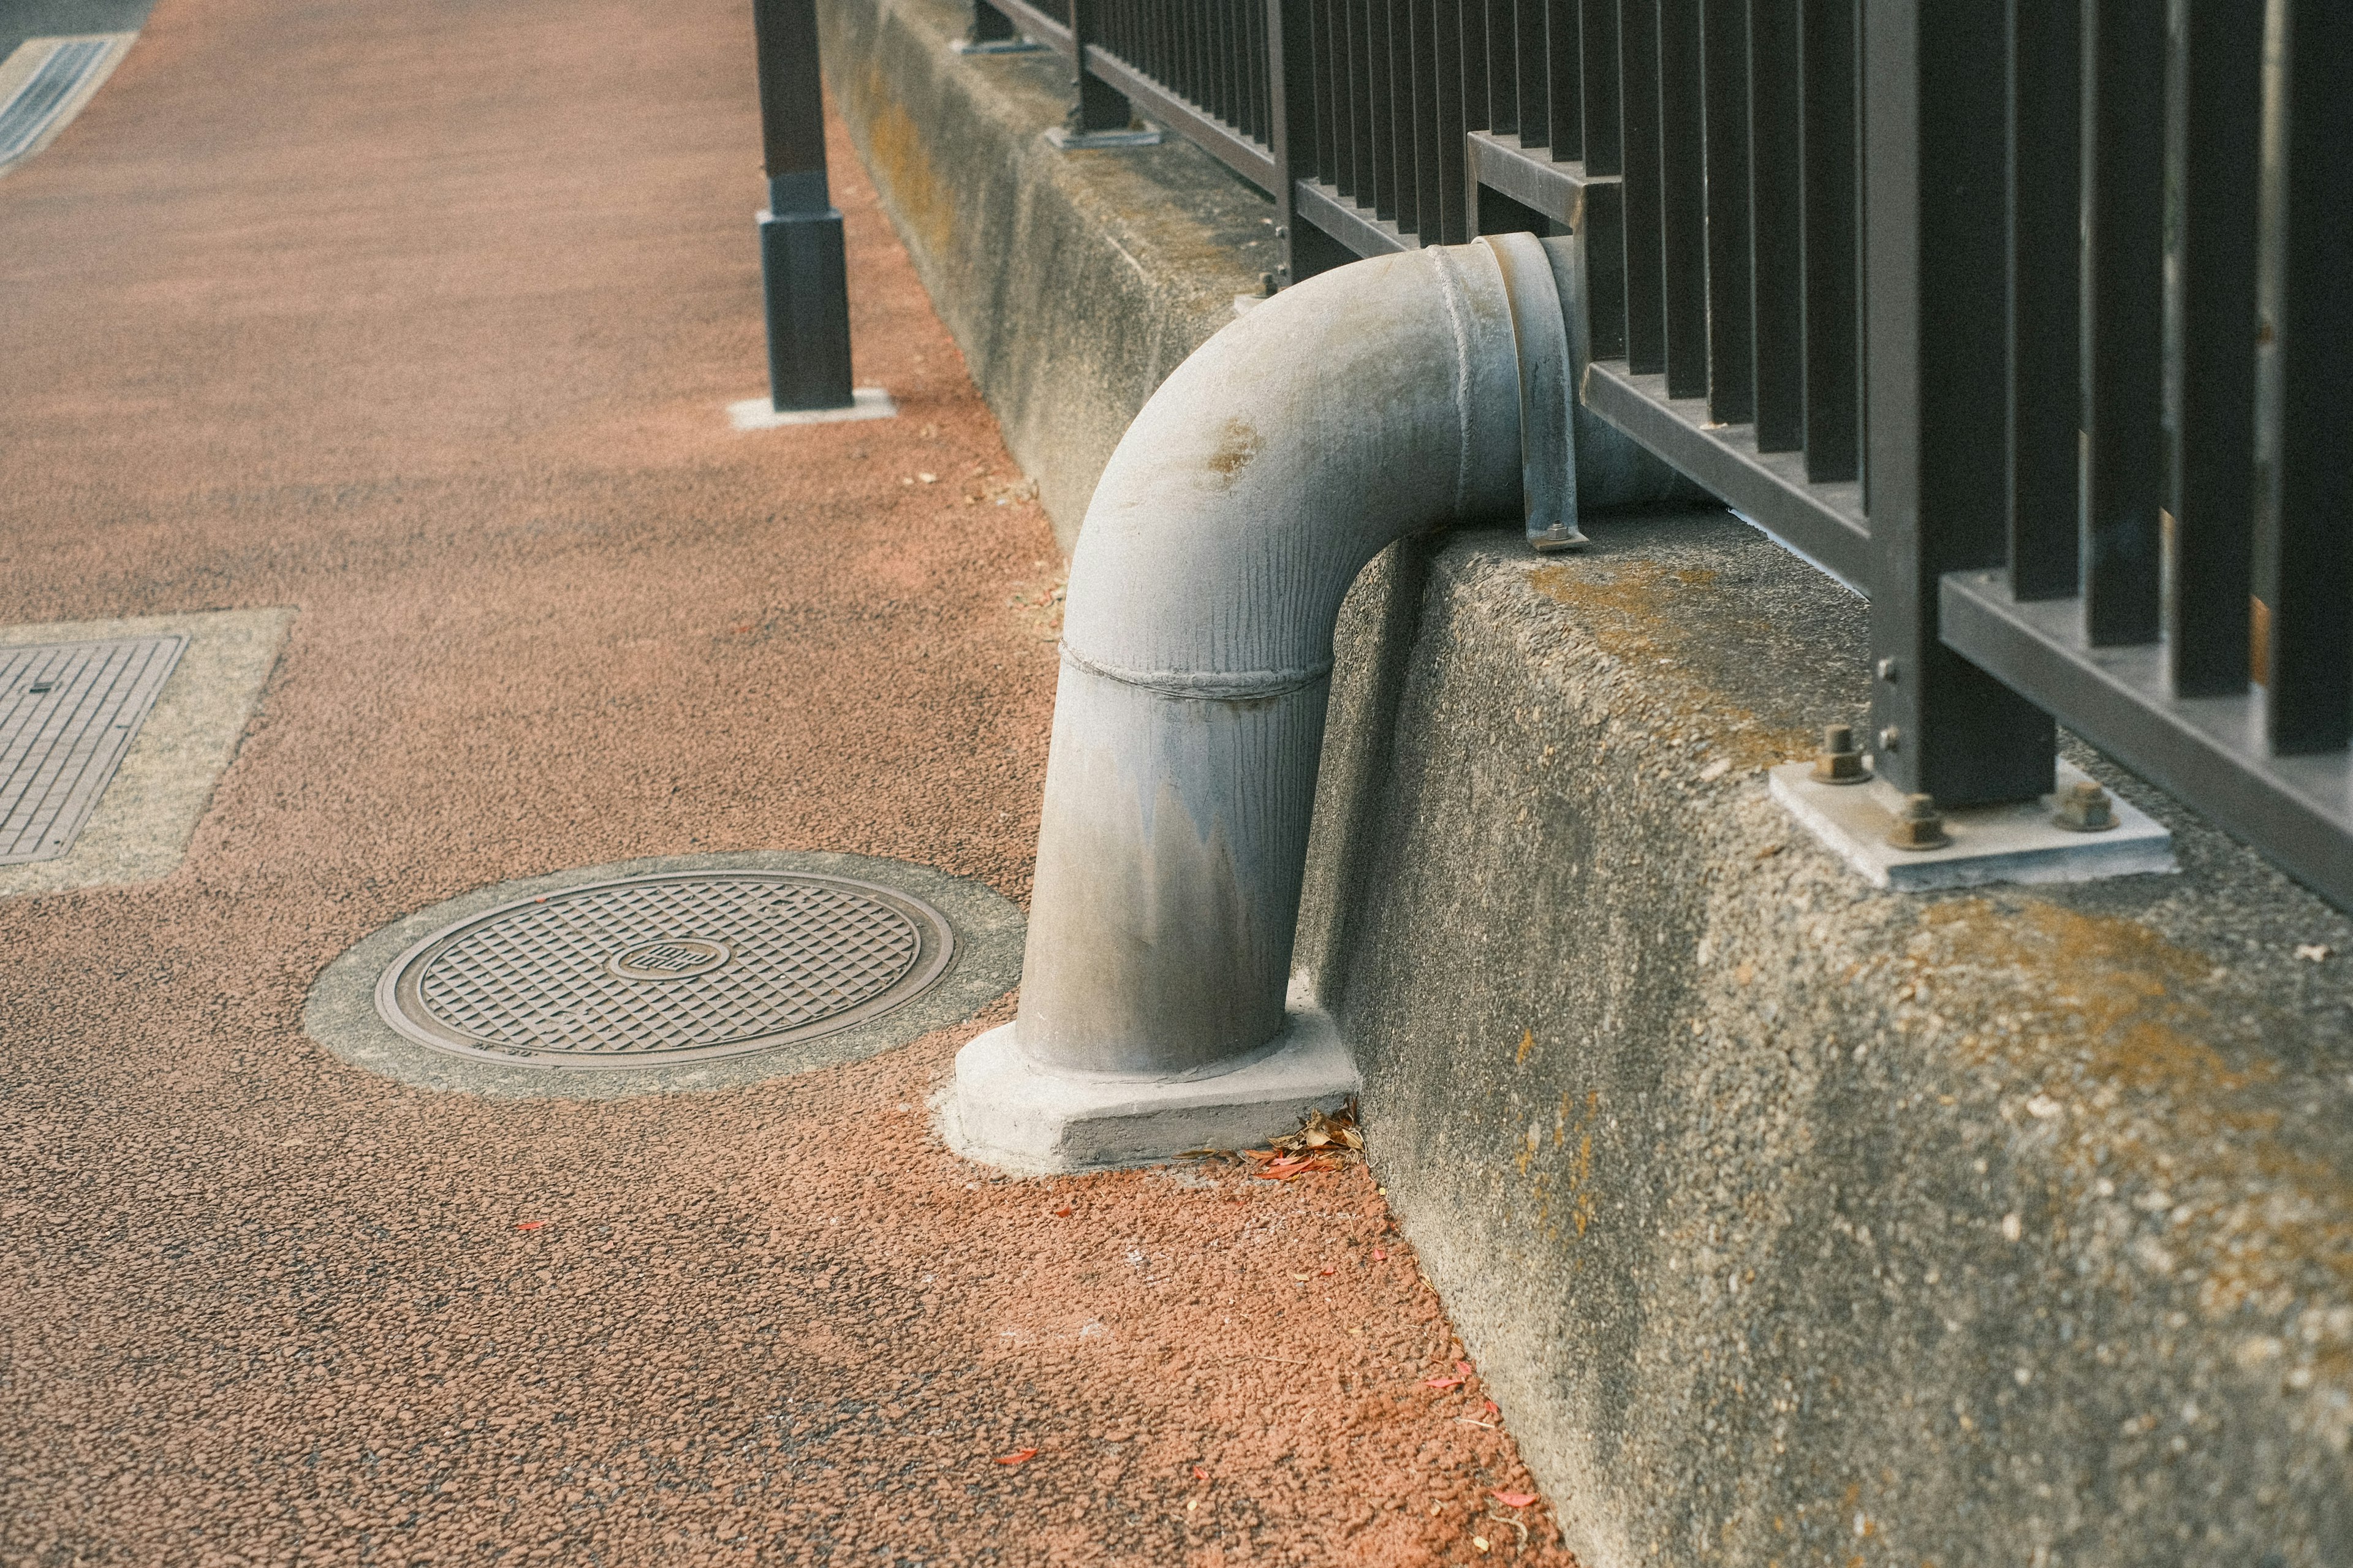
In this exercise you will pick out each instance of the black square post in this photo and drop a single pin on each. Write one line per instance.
(802, 266)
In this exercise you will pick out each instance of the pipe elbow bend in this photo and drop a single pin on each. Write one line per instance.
(1378, 401)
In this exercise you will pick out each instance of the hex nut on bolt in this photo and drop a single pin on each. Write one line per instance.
(2085, 809)
(1919, 826)
(1839, 762)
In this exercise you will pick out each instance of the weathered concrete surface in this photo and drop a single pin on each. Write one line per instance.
(1794, 1222)
(1798, 1222)
(1074, 282)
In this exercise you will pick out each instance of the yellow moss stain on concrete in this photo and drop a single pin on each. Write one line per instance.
(898, 157)
(2116, 1026)
(1622, 605)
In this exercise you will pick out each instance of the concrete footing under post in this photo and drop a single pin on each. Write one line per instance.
(1006, 1110)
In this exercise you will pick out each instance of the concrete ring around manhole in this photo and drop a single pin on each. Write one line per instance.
(650, 976)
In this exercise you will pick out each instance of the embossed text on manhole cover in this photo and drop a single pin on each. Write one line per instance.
(68, 713)
(665, 968)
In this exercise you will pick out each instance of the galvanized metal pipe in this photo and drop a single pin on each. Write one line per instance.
(1378, 401)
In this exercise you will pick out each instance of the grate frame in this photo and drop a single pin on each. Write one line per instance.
(685, 966)
(69, 713)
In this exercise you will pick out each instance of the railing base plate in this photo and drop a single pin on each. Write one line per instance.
(1063, 141)
(2015, 843)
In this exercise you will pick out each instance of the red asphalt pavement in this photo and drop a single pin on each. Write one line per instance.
(421, 319)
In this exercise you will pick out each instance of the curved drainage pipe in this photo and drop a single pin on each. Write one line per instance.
(1381, 400)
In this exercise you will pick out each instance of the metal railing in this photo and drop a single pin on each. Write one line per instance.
(2032, 321)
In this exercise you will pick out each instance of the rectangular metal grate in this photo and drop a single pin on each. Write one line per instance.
(26, 117)
(68, 713)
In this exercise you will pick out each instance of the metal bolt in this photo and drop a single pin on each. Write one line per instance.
(2085, 809)
(1919, 824)
(1890, 738)
(1839, 762)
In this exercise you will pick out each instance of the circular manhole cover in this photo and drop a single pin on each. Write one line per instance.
(649, 970)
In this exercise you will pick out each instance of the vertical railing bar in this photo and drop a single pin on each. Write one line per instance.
(2213, 533)
(1682, 196)
(1605, 209)
(1453, 221)
(1382, 197)
(1731, 342)
(1473, 21)
(1638, 85)
(2311, 621)
(1827, 165)
(1597, 86)
(1528, 60)
(1405, 150)
(1777, 226)
(1360, 99)
(1420, 54)
(2044, 204)
(1324, 58)
(2124, 413)
(1502, 68)
(1563, 79)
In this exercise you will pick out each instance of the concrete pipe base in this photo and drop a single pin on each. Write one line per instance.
(1010, 1112)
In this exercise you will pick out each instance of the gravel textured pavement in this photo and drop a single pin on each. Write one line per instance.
(421, 320)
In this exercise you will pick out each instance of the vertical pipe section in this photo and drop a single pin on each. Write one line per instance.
(2312, 625)
(2125, 336)
(1683, 195)
(804, 274)
(2046, 247)
(1361, 407)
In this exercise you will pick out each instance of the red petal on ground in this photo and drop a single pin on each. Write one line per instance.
(1199, 1473)
(1515, 1499)
(1379, 1255)
(529, 1223)
(1463, 1367)
(1445, 1383)
(1018, 1457)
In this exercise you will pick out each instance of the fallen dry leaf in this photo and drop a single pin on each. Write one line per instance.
(1019, 1455)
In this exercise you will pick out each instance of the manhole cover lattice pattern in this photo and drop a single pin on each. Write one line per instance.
(657, 969)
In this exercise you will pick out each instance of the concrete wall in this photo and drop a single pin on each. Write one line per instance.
(1794, 1222)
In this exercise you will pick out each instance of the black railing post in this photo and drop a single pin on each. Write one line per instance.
(993, 32)
(1934, 91)
(802, 268)
(1291, 65)
(1095, 105)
